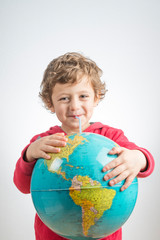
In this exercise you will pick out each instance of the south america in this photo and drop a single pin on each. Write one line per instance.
(92, 198)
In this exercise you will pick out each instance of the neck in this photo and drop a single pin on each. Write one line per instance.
(76, 130)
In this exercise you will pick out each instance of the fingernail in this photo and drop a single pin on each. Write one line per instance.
(122, 189)
(111, 183)
(106, 178)
(111, 151)
(104, 169)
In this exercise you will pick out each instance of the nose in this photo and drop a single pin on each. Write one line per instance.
(74, 104)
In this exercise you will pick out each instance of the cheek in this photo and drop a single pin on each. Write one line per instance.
(59, 109)
(89, 109)
(90, 105)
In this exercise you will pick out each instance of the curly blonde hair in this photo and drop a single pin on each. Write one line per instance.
(69, 68)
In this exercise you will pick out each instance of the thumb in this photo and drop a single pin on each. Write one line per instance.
(116, 150)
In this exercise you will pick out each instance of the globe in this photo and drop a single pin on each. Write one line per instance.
(70, 195)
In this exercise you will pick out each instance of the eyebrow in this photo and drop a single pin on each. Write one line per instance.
(62, 94)
(65, 93)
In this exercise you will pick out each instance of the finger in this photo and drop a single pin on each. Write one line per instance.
(56, 143)
(45, 155)
(115, 172)
(61, 134)
(114, 163)
(119, 178)
(58, 137)
(127, 183)
(115, 150)
(50, 149)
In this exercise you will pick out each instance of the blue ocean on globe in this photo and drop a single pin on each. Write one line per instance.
(70, 195)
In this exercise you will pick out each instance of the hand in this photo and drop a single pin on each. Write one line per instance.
(126, 166)
(42, 146)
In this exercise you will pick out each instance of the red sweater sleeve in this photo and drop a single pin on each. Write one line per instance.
(22, 173)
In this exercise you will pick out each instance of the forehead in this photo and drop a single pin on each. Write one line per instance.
(83, 84)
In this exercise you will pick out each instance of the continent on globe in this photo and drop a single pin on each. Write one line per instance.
(92, 198)
(67, 151)
(54, 164)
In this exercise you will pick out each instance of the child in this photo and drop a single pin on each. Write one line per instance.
(72, 87)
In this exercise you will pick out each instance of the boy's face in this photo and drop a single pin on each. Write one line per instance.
(70, 100)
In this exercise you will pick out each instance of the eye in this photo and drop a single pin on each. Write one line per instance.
(84, 96)
(64, 99)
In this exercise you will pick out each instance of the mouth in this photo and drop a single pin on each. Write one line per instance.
(75, 116)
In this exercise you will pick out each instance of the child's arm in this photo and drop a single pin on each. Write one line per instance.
(36, 149)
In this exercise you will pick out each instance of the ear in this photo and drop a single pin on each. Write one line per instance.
(52, 110)
(96, 101)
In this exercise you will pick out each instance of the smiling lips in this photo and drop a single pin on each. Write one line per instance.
(75, 116)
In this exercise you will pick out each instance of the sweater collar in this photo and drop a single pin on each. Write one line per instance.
(92, 127)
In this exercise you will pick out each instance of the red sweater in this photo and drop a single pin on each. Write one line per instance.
(23, 172)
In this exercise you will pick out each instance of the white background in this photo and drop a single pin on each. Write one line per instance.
(123, 37)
